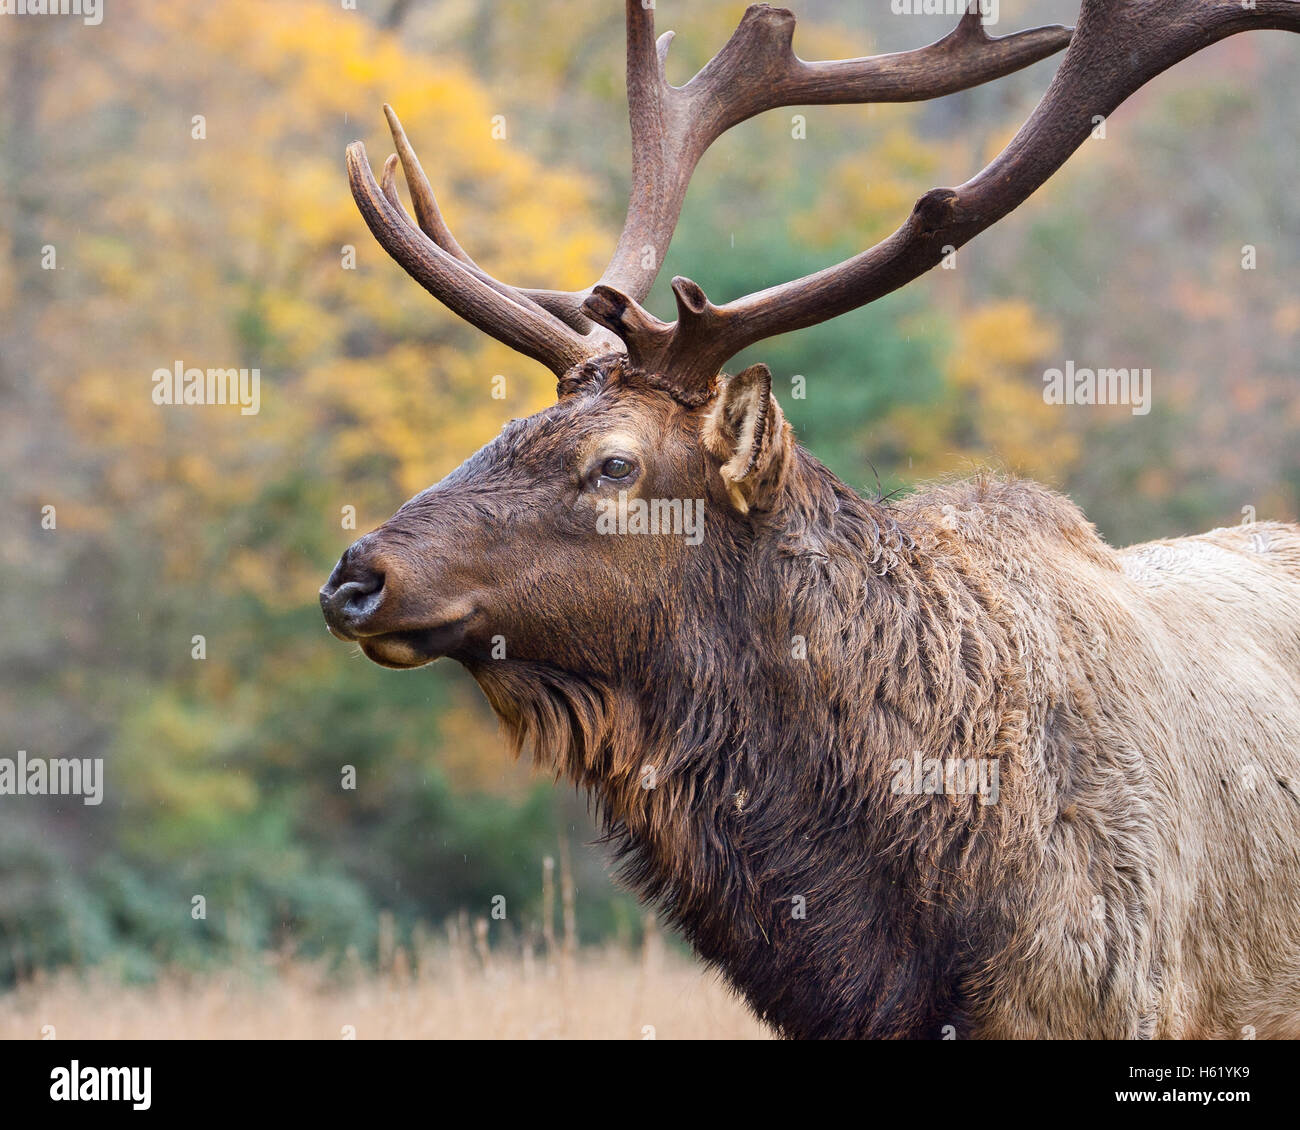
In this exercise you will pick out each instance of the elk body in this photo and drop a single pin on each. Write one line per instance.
(949, 766)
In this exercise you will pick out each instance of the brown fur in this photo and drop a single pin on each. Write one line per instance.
(1139, 874)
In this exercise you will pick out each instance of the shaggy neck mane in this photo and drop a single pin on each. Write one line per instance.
(724, 778)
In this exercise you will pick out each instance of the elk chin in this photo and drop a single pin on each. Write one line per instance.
(415, 648)
(396, 651)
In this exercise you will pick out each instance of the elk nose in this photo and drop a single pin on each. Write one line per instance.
(351, 596)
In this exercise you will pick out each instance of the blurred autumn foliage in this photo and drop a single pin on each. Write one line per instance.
(183, 164)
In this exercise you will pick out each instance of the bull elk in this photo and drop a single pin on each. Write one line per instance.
(768, 720)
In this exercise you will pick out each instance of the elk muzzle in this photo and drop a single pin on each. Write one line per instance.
(352, 595)
(368, 601)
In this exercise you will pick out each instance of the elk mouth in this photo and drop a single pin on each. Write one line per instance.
(415, 647)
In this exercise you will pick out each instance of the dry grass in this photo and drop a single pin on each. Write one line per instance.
(451, 991)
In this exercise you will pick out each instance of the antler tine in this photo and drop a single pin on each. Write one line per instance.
(430, 220)
(1117, 47)
(498, 310)
(427, 211)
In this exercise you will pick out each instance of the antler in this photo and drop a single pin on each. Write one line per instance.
(1118, 46)
(757, 70)
(507, 314)
(672, 127)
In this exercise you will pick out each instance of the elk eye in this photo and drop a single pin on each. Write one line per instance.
(616, 468)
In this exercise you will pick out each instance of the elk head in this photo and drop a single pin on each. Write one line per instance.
(508, 551)
(518, 552)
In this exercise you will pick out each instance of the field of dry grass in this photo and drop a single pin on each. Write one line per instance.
(447, 992)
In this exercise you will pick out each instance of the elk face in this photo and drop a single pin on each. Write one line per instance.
(548, 543)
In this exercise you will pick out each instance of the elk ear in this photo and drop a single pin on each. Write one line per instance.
(746, 429)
